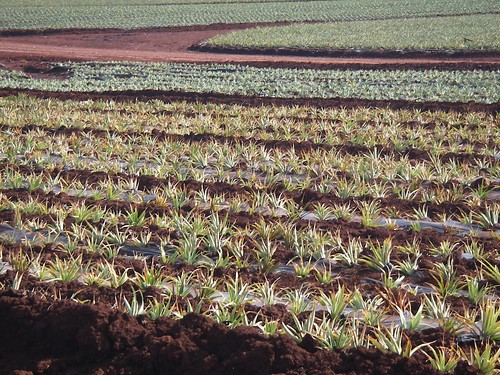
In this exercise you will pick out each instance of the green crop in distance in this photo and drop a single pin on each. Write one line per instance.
(430, 85)
(130, 14)
(438, 33)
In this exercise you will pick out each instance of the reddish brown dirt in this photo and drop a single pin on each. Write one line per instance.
(172, 45)
(41, 337)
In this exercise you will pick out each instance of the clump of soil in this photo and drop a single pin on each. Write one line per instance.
(66, 337)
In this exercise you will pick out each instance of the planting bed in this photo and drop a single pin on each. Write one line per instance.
(431, 36)
(262, 216)
(203, 215)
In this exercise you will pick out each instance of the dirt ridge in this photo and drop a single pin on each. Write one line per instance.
(193, 345)
(345, 52)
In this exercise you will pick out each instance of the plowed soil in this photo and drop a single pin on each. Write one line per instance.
(65, 337)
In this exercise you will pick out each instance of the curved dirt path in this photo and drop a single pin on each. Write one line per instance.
(171, 45)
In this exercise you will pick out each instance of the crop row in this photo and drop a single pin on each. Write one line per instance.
(311, 124)
(95, 3)
(182, 225)
(383, 164)
(338, 190)
(448, 138)
(305, 127)
(129, 16)
(369, 185)
(129, 199)
(371, 211)
(440, 33)
(210, 241)
(157, 204)
(344, 318)
(427, 184)
(428, 85)
(335, 315)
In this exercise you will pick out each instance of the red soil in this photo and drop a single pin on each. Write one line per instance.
(41, 337)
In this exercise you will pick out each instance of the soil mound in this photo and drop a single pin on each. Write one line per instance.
(66, 337)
